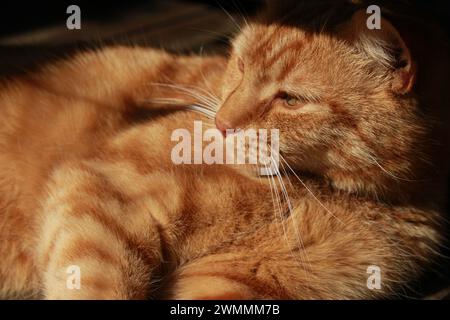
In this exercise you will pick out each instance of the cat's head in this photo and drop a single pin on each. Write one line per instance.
(343, 101)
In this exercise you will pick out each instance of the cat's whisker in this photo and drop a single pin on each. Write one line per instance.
(198, 107)
(220, 35)
(233, 20)
(290, 208)
(277, 203)
(281, 224)
(191, 86)
(309, 190)
(205, 111)
(201, 98)
(205, 81)
(278, 211)
(375, 162)
(272, 192)
(171, 101)
(241, 13)
(209, 93)
(196, 95)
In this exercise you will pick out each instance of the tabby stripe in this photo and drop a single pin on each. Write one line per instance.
(89, 248)
(287, 68)
(262, 45)
(260, 287)
(294, 46)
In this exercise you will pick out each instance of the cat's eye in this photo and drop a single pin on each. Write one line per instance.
(291, 101)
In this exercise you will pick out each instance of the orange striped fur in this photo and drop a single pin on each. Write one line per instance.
(86, 177)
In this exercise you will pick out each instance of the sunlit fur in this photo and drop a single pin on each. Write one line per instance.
(86, 177)
(350, 126)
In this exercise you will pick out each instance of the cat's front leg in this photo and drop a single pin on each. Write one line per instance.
(317, 254)
(94, 244)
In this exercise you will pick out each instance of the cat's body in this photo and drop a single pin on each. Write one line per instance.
(86, 179)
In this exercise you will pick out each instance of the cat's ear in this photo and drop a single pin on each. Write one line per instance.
(385, 45)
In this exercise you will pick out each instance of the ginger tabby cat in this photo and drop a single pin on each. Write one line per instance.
(86, 177)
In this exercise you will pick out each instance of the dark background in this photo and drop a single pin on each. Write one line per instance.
(19, 16)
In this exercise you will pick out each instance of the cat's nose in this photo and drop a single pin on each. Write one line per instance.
(222, 125)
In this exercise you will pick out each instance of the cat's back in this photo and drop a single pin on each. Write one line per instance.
(63, 112)
(66, 110)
